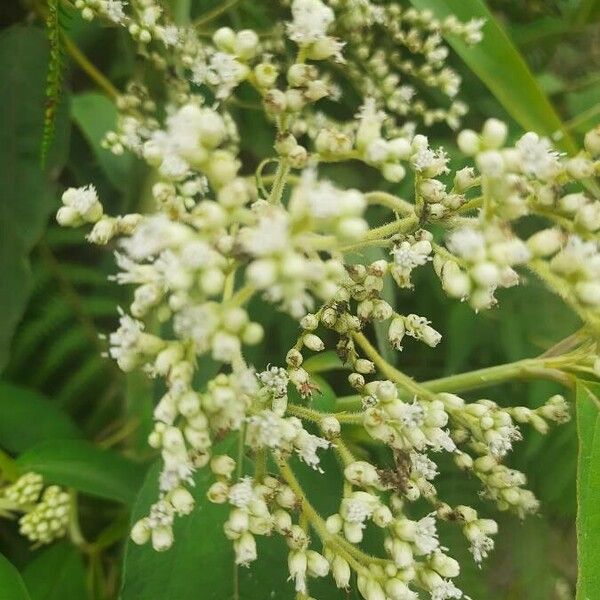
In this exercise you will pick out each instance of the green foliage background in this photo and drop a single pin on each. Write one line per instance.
(69, 414)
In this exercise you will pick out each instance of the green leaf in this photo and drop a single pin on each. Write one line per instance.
(95, 114)
(85, 467)
(588, 491)
(27, 418)
(56, 573)
(200, 562)
(501, 67)
(11, 583)
(27, 192)
(323, 362)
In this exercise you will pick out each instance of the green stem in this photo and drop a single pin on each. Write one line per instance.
(89, 68)
(400, 226)
(316, 416)
(358, 560)
(529, 368)
(260, 462)
(390, 201)
(75, 534)
(241, 296)
(211, 15)
(279, 181)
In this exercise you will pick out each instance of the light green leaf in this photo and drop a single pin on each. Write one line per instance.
(27, 418)
(588, 490)
(323, 362)
(11, 583)
(95, 114)
(501, 67)
(85, 467)
(27, 192)
(56, 573)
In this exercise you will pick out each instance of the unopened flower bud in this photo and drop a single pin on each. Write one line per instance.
(182, 501)
(364, 366)
(222, 465)
(140, 532)
(592, 141)
(494, 134)
(468, 142)
(313, 342)
(317, 564)
(546, 242)
(265, 74)
(330, 427)
(162, 538)
(218, 492)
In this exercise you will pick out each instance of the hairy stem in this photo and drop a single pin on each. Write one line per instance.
(529, 368)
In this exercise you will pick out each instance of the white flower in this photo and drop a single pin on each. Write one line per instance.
(500, 440)
(242, 492)
(426, 537)
(223, 71)
(276, 379)
(323, 200)
(537, 156)
(170, 35)
(445, 590)
(113, 9)
(411, 415)
(245, 549)
(198, 323)
(441, 440)
(124, 342)
(358, 507)
(306, 446)
(265, 430)
(481, 546)
(467, 243)
(175, 473)
(297, 565)
(84, 201)
(408, 256)
(154, 234)
(269, 236)
(432, 162)
(161, 514)
(422, 465)
(311, 20)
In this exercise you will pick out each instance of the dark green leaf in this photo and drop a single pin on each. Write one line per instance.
(27, 192)
(11, 583)
(27, 418)
(588, 490)
(56, 573)
(85, 467)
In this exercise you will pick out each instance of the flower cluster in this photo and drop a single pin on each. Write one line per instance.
(45, 512)
(219, 234)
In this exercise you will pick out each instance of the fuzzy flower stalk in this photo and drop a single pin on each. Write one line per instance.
(221, 232)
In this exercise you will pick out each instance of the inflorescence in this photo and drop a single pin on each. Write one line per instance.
(216, 237)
